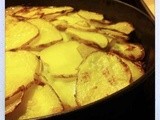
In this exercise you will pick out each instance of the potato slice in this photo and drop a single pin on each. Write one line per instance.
(85, 50)
(21, 67)
(12, 102)
(99, 23)
(11, 10)
(136, 70)
(20, 34)
(48, 33)
(67, 94)
(100, 75)
(37, 101)
(90, 15)
(62, 58)
(65, 37)
(123, 27)
(129, 50)
(10, 22)
(88, 37)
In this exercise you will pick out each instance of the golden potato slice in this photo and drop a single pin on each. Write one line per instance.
(37, 101)
(85, 50)
(129, 50)
(61, 25)
(20, 34)
(99, 23)
(10, 21)
(13, 9)
(65, 89)
(62, 58)
(21, 67)
(90, 15)
(65, 37)
(51, 17)
(136, 70)
(88, 37)
(48, 33)
(123, 27)
(12, 102)
(100, 75)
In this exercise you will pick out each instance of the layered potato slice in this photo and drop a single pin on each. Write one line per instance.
(12, 10)
(130, 51)
(100, 75)
(90, 15)
(12, 102)
(10, 21)
(20, 34)
(92, 38)
(62, 58)
(21, 67)
(37, 101)
(48, 33)
(123, 27)
(65, 89)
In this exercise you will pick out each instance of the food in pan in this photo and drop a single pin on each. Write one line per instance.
(59, 59)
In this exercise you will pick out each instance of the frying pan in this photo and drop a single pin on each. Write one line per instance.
(123, 101)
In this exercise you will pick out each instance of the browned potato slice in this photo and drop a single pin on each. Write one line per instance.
(20, 34)
(28, 13)
(88, 37)
(136, 70)
(67, 94)
(61, 25)
(99, 23)
(62, 58)
(37, 101)
(53, 9)
(85, 50)
(123, 27)
(21, 67)
(100, 75)
(11, 10)
(12, 102)
(128, 50)
(90, 15)
(48, 33)
(51, 17)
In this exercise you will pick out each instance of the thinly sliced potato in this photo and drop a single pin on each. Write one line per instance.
(51, 17)
(99, 23)
(12, 10)
(48, 33)
(88, 37)
(85, 50)
(65, 89)
(37, 101)
(10, 22)
(123, 27)
(61, 25)
(21, 67)
(136, 70)
(100, 75)
(90, 15)
(20, 34)
(65, 37)
(12, 102)
(129, 50)
(62, 58)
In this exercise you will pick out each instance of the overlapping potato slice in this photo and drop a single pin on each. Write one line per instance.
(13, 9)
(90, 15)
(136, 70)
(65, 89)
(62, 58)
(20, 34)
(123, 27)
(48, 33)
(99, 23)
(129, 50)
(85, 50)
(100, 75)
(88, 37)
(10, 21)
(12, 102)
(37, 101)
(21, 67)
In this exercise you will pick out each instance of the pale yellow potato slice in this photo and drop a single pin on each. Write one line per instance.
(85, 50)
(88, 37)
(62, 58)
(21, 67)
(65, 89)
(20, 34)
(136, 70)
(10, 21)
(123, 27)
(99, 23)
(37, 101)
(90, 15)
(129, 50)
(12, 102)
(100, 75)
(48, 33)
(65, 37)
